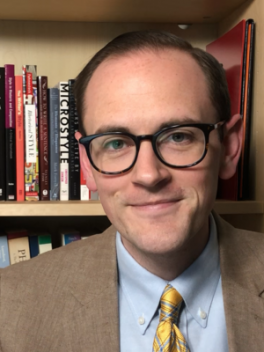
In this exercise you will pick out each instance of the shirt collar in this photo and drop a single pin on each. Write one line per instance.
(197, 284)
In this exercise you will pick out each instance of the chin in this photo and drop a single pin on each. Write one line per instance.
(159, 241)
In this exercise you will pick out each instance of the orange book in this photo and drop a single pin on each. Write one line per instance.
(20, 181)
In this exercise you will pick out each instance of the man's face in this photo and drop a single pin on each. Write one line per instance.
(157, 210)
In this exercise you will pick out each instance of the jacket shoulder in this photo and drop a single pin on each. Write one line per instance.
(93, 254)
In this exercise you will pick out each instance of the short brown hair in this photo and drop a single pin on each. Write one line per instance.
(157, 40)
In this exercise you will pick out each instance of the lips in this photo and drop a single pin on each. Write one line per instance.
(154, 203)
(148, 199)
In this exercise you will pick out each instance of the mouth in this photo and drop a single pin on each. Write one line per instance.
(155, 206)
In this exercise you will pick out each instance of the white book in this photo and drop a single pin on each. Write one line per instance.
(84, 192)
(44, 242)
(30, 134)
(64, 140)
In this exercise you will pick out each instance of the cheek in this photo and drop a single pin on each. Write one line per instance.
(109, 189)
(202, 179)
(207, 178)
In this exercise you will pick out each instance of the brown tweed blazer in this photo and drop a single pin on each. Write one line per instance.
(67, 300)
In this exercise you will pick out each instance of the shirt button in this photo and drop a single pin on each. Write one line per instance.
(203, 315)
(141, 320)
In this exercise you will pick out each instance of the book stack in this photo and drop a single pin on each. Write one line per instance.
(20, 245)
(39, 155)
(17, 246)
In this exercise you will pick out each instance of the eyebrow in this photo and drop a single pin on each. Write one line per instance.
(171, 122)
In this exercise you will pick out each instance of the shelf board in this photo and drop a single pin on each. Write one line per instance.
(52, 208)
(147, 11)
(94, 208)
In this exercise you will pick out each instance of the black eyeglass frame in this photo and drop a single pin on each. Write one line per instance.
(205, 127)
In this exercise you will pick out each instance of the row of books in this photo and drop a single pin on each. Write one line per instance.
(18, 246)
(39, 156)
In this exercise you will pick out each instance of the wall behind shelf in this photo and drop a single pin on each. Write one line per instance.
(61, 49)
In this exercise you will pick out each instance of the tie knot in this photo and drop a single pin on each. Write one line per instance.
(170, 304)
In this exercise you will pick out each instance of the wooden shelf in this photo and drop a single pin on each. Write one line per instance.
(52, 208)
(147, 11)
(94, 208)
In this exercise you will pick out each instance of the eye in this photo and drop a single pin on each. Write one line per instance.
(114, 144)
(179, 137)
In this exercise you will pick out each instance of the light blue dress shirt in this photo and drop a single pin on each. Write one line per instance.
(202, 320)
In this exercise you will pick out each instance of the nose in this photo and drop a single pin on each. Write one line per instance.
(149, 171)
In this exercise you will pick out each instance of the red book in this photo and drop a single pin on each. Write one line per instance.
(43, 138)
(229, 51)
(20, 159)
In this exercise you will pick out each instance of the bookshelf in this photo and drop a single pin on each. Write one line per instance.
(94, 208)
(60, 37)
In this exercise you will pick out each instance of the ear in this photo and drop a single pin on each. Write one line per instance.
(86, 166)
(232, 145)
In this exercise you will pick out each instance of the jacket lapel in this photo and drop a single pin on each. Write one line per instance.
(94, 326)
(242, 272)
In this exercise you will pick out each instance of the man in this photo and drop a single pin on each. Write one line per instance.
(155, 134)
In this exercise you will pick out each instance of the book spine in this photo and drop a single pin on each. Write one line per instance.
(18, 249)
(85, 193)
(45, 244)
(31, 182)
(18, 245)
(43, 137)
(74, 162)
(4, 253)
(10, 132)
(20, 159)
(29, 73)
(33, 246)
(64, 140)
(54, 143)
(2, 136)
(67, 238)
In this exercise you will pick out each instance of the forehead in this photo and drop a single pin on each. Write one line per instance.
(146, 88)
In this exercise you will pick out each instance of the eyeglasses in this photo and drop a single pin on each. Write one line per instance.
(177, 146)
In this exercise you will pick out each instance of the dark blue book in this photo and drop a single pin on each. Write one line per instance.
(54, 146)
(33, 246)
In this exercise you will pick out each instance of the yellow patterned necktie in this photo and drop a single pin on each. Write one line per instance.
(168, 337)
